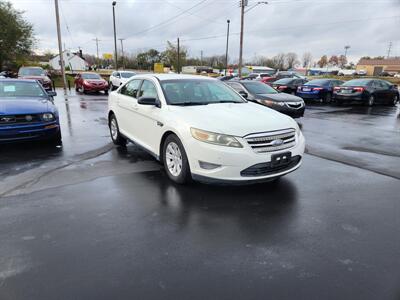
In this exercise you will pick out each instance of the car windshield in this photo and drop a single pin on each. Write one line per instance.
(20, 89)
(90, 76)
(284, 81)
(357, 82)
(31, 72)
(319, 82)
(127, 74)
(259, 88)
(198, 92)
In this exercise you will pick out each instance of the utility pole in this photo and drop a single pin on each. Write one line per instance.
(60, 51)
(179, 59)
(115, 36)
(227, 45)
(243, 4)
(201, 57)
(389, 49)
(97, 48)
(346, 48)
(122, 53)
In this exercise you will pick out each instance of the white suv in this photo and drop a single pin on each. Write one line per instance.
(118, 78)
(201, 129)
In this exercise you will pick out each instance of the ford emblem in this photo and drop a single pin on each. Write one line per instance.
(277, 142)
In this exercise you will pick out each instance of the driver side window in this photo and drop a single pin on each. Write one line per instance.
(131, 88)
(148, 90)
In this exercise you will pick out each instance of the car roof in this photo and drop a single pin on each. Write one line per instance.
(163, 77)
(17, 80)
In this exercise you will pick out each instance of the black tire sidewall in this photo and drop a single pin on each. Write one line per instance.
(185, 175)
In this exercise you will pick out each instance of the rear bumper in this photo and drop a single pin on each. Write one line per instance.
(309, 96)
(43, 131)
(349, 97)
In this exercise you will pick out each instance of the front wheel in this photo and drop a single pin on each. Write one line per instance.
(56, 140)
(394, 101)
(175, 160)
(116, 136)
(105, 92)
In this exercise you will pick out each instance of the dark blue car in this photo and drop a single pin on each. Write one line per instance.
(318, 89)
(27, 112)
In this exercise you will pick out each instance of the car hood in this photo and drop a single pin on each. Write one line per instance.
(278, 97)
(95, 81)
(233, 119)
(13, 106)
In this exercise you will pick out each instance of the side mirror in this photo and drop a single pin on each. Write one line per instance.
(148, 101)
(243, 94)
(51, 93)
(394, 86)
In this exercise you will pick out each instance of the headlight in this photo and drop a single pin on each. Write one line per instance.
(48, 117)
(271, 103)
(215, 138)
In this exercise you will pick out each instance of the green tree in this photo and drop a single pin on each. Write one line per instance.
(170, 55)
(16, 36)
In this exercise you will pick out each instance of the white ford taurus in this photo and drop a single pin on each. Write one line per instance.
(201, 129)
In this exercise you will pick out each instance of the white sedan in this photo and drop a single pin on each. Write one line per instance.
(201, 129)
(118, 78)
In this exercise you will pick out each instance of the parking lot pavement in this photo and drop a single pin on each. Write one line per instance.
(91, 221)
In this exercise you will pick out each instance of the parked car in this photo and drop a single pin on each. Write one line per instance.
(367, 91)
(201, 129)
(281, 75)
(27, 112)
(318, 89)
(36, 73)
(361, 72)
(288, 85)
(345, 72)
(397, 75)
(118, 78)
(387, 74)
(265, 95)
(90, 82)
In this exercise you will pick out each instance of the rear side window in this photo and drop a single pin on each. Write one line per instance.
(131, 88)
(148, 90)
(236, 86)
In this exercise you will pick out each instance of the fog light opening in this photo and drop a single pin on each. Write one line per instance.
(208, 166)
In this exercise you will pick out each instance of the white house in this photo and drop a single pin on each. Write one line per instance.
(72, 61)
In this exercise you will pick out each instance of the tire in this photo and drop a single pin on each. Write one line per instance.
(76, 88)
(328, 98)
(55, 140)
(370, 101)
(116, 136)
(394, 101)
(175, 160)
(105, 92)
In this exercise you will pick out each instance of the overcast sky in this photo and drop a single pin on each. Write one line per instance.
(318, 26)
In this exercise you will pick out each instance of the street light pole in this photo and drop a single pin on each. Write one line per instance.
(115, 36)
(227, 45)
(243, 4)
(60, 50)
(122, 53)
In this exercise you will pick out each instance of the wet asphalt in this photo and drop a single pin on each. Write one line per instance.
(92, 221)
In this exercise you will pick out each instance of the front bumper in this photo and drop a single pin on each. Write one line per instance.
(31, 132)
(97, 88)
(234, 161)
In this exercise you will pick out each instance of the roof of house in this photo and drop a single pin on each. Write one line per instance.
(384, 62)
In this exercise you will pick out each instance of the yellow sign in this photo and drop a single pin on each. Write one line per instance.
(158, 68)
(107, 56)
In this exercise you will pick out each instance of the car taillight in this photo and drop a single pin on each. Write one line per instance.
(336, 88)
(358, 89)
(317, 89)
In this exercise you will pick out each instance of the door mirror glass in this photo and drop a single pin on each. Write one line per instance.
(243, 94)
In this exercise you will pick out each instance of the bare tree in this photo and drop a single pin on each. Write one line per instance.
(307, 59)
(291, 60)
(279, 61)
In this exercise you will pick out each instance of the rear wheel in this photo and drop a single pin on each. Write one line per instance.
(175, 160)
(328, 98)
(116, 136)
(106, 92)
(371, 100)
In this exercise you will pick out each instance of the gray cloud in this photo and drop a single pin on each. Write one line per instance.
(318, 26)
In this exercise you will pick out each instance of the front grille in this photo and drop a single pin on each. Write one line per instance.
(19, 119)
(272, 141)
(265, 169)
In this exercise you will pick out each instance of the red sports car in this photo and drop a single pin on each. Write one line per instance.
(90, 82)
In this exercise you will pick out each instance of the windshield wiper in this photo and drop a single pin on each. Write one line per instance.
(190, 103)
(226, 101)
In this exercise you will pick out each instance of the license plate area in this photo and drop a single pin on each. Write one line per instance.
(306, 90)
(281, 159)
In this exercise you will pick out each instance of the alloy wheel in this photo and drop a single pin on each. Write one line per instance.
(114, 129)
(371, 100)
(173, 158)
